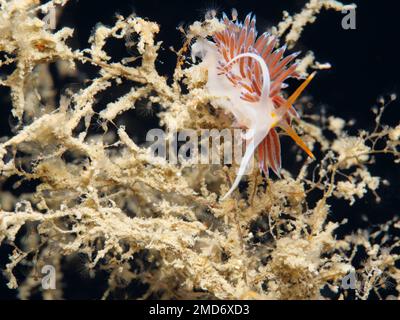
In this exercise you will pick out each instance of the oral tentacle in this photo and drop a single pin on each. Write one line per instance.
(292, 99)
(290, 131)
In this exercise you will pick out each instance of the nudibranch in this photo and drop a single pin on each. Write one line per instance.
(246, 76)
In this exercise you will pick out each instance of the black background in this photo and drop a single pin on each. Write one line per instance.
(365, 66)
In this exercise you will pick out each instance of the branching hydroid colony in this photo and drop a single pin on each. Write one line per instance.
(105, 199)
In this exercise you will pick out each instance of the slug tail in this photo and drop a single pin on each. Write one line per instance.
(255, 141)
